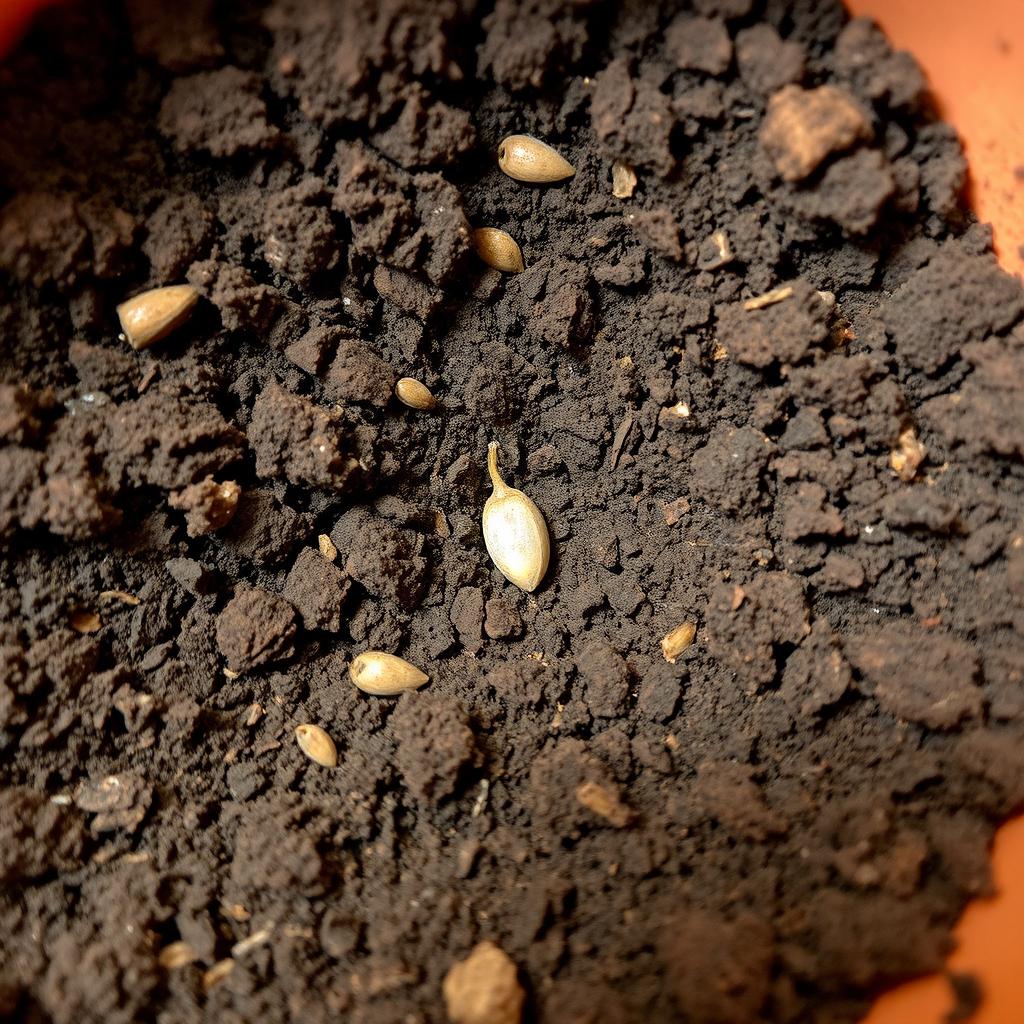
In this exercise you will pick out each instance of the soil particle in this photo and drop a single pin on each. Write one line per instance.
(208, 505)
(316, 589)
(699, 44)
(804, 126)
(219, 111)
(918, 676)
(254, 629)
(766, 61)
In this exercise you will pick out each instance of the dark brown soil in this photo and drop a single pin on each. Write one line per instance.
(773, 827)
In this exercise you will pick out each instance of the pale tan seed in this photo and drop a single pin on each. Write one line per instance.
(317, 745)
(484, 988)
(528, 159)
(217, 973)
(498, 249)
(415, 394)
(515, 533)
(148, 317)
(82, 621)
(769, 298)
(385, 675)
(176, 955)
(623, 180)
(678, 641)
(327, 548)
(605, 803)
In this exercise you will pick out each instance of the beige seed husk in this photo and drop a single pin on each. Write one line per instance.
(317, 745)
(677, 641)
(515, 533)
(415, 394)
(154, 314)
(498, 249)
(623, 180)
(176, 955)
(217, 973)
(528, 159)
(385, 675)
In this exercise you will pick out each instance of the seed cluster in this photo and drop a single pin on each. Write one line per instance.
(514, 529)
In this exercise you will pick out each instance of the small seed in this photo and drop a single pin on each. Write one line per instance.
(415, 394)
(498, 249)
(176, 955)
(154, 314)
(623, 180)
(217, 973)
(385, 675)
(327, 548)
(82, 621)
(528, 159)
(768, 299)
(515, 533)
(317, 745)
(605, 803)
(677, 641)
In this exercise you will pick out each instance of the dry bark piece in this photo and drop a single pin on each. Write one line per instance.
(515, 533)
(528, 159)
(804, 126)
(385, 675)
(317, 745)
(416, 394)
(483, 988)
(623, 180)
(678, 641)
(498, 249)
(152, 315)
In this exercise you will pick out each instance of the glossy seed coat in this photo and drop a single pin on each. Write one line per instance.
(385, 675)
(317, 745)
(498, 249)
(528, 159)
(148, 317)
(415, 394)
(515, 532)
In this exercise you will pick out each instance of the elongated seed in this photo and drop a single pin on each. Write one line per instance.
(176, 955)
(515, 533)
(385, 675)
(623, 180)
(498, 249)
(317, 745)
(678, 641)
(415, 394)
(154, 314)
(528, 159)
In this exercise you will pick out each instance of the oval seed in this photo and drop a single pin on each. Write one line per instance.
(415, 394)
(154, 314)
(317, 745)
(498, 249)
(678, 641)
(177, 954)
(515, 533)
(385, 675)
(528, 159)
